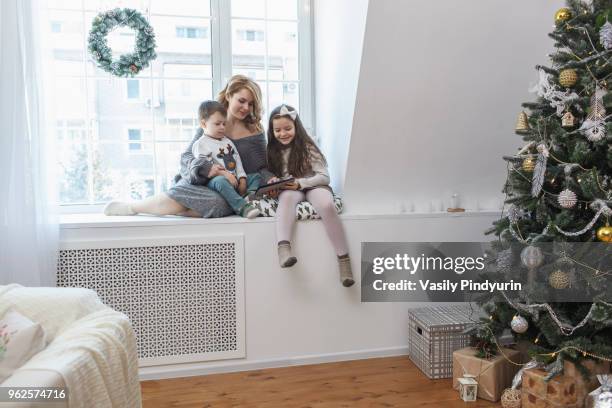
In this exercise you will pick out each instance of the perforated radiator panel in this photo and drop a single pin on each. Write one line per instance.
(185, 300)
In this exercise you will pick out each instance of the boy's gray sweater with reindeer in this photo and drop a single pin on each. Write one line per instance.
(222, 151)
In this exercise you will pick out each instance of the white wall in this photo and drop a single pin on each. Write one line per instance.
(301, 314)
(440, 89)
(338, 41)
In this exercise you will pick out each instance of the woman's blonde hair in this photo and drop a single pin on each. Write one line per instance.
(236, 84)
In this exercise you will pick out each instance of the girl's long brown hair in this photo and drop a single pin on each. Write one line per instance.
(303, 148)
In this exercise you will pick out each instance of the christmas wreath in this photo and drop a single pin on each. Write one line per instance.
(127, 64)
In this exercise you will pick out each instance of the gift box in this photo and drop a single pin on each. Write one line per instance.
(434, 333)
(569, 390)
(493, 375)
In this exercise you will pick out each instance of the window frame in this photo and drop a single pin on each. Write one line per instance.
(219, 34)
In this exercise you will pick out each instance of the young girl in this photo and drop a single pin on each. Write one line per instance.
(292, 153)
(214, 146)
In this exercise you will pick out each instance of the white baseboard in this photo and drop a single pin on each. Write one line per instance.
(197, 369)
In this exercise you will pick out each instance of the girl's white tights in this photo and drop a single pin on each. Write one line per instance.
(323, 202)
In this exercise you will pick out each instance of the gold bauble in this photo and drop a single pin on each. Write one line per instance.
(562, 15)
(559, 280)
(604, 234)
(568, 77)
(522, 124)
(528, 164)
(511, 398)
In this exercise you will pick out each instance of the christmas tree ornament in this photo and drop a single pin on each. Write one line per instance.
(567, 198)
(532, 257)
(604, 234)
(547, 89)
(604, 399)
(514, 213)
(539, 173)
(568, 120)
(568, 78)
(511, 398)
(594, 127)
(605, 35)
(522, 124)
(559, 280)
(468, 388)
(505, 260)
(562, 15)
(519, 324)
(528, 164)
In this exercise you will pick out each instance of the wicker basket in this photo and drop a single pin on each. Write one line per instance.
(434, 333)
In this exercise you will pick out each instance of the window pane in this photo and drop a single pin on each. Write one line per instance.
(248, 54)
(283, 51)
(70, 99)
(182, 97)
(248, 8)
(181, 7)
(187, 70)
(123, 173)
(64, 4)
(177, 129)
(72, 167)
(168, 162)
(115, 113)
(100, 6)
(287, 92)
(181, 39)
(256, 74)
(282, 9)
(65, 38)
(133, 88)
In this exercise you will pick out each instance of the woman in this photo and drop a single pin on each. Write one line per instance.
(189, 196)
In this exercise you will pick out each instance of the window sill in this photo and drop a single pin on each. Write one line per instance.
(76, 221)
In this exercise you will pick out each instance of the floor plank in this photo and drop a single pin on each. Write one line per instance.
(380, 382)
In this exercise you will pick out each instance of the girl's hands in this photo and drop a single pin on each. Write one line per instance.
(231, 178)
(216, 170)
(291, 186)
(273, 180)
(273, 193)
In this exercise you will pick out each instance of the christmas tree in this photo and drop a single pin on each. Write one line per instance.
(559, 191)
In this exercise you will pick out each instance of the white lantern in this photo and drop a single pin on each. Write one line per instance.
(468, 388)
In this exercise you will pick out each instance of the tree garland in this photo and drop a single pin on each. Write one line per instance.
(127, 64)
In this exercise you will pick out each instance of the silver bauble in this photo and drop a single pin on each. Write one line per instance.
(519, 324)
(532, 257)
(567, 198)
(604, 399)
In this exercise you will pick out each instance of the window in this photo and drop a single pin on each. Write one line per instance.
(56, 27)
(134, 135)
(192, 32)
(251, 35)
(123, 137)
(133, 89)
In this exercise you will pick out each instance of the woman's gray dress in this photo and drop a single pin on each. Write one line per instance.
(190, 188)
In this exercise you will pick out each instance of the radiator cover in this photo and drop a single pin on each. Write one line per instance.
(184, 297)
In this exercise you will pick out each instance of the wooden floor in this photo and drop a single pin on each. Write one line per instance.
(380, 382)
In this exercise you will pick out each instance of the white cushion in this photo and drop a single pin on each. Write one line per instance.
(20, 339)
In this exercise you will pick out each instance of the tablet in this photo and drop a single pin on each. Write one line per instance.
(273, 186)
